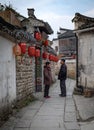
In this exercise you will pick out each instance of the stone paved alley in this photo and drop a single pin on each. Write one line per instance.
(55, 113)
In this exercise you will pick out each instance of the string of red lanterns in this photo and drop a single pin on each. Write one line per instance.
(20, 49)
(50, 57)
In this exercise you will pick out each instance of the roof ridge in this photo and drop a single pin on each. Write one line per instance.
(78, 16)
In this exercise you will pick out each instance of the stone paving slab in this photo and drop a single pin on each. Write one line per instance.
(85, 106)
(7, 128)
(70, 117)
(55, 100)
(47, 114)
(41, 128)
(21, 129)
(30, 113)
(50, 111)
(58, 118)
(87, 127)
(23, 124)
(70, 108)
(70, 101)
(47, 123)
(54, 106)
(72, 126)
(35, 105)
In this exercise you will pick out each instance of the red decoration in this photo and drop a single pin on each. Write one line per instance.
(31, 51)
(23, 47)
(56, 59)
(37, 35)
(45, 43)
(53, 58)
(17, 50)
(45, 55)
(37, 53)
(74, 56)
(50, 57)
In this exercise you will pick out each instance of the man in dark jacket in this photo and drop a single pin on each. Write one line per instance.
(62, 77)
(47, 79)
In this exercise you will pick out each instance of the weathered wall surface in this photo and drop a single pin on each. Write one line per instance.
(25, 77)
(86, 59)
(7, 77)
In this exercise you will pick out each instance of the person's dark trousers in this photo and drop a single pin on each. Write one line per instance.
(46, 90)
(63, 87)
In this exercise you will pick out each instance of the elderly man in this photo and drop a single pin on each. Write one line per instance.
(62, 77)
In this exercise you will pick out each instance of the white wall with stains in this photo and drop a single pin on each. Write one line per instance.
(86, 59)
(7, 73)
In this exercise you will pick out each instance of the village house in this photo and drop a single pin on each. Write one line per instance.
(65, 46)
(84, 29)
(67, 43)
(10, 35)
(34, 24)
(18, 68)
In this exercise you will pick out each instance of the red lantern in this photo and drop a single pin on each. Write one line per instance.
(37, 35)
(50, 57)
(74, 56)
(37, 53)
(56, 59)
(45, 43)
(17, 50)
(23, 47)
(53, 58)
(45, 55)
(31, 51)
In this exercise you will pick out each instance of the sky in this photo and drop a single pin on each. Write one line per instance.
(58, 13)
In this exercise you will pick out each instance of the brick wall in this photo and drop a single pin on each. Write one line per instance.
(25, 77)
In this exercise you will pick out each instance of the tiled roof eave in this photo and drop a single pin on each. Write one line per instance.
(45, 26)
(66, 37)
(11, 32)
(51, 50)
(84, 30)
(81, 17)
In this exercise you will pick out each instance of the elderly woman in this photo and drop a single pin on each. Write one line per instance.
(47, 79)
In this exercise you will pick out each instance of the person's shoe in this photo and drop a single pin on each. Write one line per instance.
(48, 96)
(62, 95)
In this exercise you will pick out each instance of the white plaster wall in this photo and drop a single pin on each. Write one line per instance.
(7, 72)
(55, 43)
(86, 58)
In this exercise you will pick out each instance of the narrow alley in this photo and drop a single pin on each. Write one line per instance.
(41, 48)
(55, 113)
